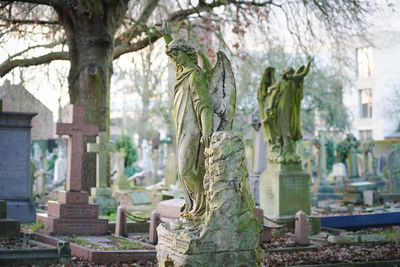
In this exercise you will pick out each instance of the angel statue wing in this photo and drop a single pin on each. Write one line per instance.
(267, 80)
(222, 91)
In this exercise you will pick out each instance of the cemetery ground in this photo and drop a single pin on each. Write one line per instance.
(377, 246)
(282, 251)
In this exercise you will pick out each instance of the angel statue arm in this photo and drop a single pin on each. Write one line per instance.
(162, 27)
(206, 64)
(303, 71)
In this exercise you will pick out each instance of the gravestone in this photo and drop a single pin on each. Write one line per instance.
(72, 214)
(170, 172)
(155, 143)
(60, 167)
(360, 166)
(121, 226)
(9, 228)
(147, 162)
(259, 158)
(140, 198)
(301, 233)
(339, 171)
(40, 180)
(394, 171)
(351, 145)
(15, 153)
(121, 183)
(101, 194)
(370, 164)
(382, 162)
(37, 155)
(322, 189)
(155, 221)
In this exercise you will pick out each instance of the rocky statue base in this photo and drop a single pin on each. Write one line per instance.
(229, 233)
(284, 190)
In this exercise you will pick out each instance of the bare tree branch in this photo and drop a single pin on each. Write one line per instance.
(41, 2)
(27, 21)
(8, 65)
(51, 45)
(131, 47)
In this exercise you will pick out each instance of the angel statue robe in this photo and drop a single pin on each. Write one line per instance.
(279, 105)
(285, 97)
(190, 98)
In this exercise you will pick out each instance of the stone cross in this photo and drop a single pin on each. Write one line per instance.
(102, 148)
(121, 166)
(75, 131)
(351, 144)
(321, 143)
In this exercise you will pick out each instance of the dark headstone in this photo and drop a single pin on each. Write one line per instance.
(15, 142)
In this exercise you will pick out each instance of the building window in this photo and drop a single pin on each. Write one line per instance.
(365, 134)
(364, 62)
(365, 104)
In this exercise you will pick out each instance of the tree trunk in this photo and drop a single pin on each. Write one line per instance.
(90, 28)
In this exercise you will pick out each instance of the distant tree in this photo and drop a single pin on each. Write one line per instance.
(124, 141)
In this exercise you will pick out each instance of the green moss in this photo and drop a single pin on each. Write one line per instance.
(37, 226)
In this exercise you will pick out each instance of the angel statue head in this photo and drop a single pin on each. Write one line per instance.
(287, 73)
(181, 52)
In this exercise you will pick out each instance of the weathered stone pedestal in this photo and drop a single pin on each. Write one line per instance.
(229, 233)
(9, 228)
(73, 215)
(103, 197)
(284, 190)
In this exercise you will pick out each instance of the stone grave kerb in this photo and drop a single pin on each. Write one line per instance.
(76, 132)
(101, 148)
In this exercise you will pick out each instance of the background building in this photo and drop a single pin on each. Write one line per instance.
(17, 99)
(373, 99)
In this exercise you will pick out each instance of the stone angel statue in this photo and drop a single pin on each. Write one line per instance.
(204, 102)
(279, 107)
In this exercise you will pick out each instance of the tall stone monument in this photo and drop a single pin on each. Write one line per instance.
(356, 185)
(101, 194)
(121, 183)
(284, 185)
(259, 159)
(60, 167)
(15, 153)
(322, 189)
(72, 214)
(217, 225)
(351, 145)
